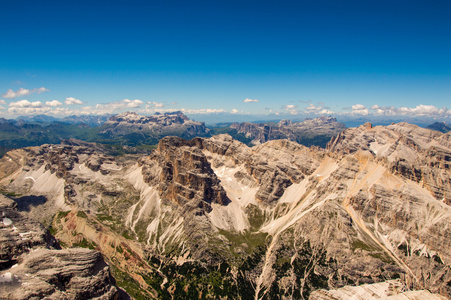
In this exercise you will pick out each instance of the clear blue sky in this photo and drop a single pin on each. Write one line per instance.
(294, 57)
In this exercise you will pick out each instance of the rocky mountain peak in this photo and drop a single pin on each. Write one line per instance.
(183, 175)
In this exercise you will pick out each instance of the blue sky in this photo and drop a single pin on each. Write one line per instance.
(295, 58)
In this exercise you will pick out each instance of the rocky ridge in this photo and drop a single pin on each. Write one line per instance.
(317, 131)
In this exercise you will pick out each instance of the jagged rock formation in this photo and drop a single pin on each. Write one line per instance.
(310, 132)
(213, 217)
(30, 269)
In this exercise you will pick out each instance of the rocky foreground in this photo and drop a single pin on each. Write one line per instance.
(214, 218)
(32, 267)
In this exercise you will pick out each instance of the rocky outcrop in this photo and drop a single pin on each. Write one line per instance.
(59, 274)
(19, 234)
(32, 268)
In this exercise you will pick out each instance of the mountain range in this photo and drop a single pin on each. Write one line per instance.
(211, 217)
(131, 129)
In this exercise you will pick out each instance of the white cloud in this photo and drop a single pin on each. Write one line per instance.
(234, 111)
(72, 101)
(2, 101)
(318, 110)
(132, 103)
(423, 110)
(325, 112)
(40, 90)
(10, 94)
(30, 110)
(117, 107)
(418, 111)
(25, 103)
(202, 111)
(153, 104)
(359, 109)
(53, 103)
(1, 107)
(247, 100)
(289, 106)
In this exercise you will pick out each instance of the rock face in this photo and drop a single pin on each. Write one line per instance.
(60, 274)
(213, 217)
(147, 127)
(310, 132)
(30, 269)
(184, 175)
(18, 234)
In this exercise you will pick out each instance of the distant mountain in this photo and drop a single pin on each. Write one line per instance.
(128, 129)
(440, 126)
(91, 120)
(310, 132)
(134, 129)
(131, 129)
(38, 119)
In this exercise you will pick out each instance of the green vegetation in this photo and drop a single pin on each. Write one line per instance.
(61, 214)
(82, 214)
(247, 241)
(256, 216)
(126, 282)
(86, 244)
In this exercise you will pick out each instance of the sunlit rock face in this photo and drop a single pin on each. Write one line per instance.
(212, 216)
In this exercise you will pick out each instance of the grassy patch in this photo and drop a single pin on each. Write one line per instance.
(131, 286)
(247, 240)
(82, 214)
(86, 244)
